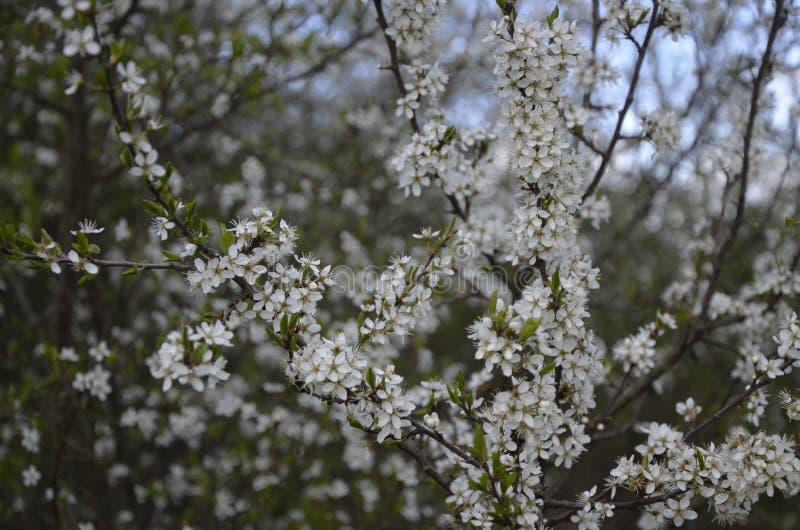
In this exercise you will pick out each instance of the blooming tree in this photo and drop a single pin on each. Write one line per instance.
(538, 269)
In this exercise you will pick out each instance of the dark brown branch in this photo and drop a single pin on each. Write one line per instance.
(142, 266)
(735, 402)
(415, 451)
(105, 60)
(395, 59)
(758, 82)
(398, 76)
(606, 157)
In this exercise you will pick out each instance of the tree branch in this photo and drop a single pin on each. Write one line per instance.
(627, 105)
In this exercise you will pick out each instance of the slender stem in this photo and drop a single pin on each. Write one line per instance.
(401, 85)
(735, 402)
(606, 157)
(393, 56)
(415, 451)
(777, 21)
(113, 263)
(122, 122)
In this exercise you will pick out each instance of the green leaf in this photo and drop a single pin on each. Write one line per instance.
(529, 328)
(547, 368)
(126, 158)
(226, 238)
(10, 233)
(449, 134)
(44, 235)
(552, 16)
(555, 283)
(509, 479)
(370, 378)
(130, 271)
(448, 229)
(171, 257)
(642, 17)
(117, 49)
(274, 336)
(83, 241)
(478, 443)
(496, 464)
(493, 303)
(453, 395)
(85, 278)
(355, 423)
(700, 460)
(189, 212)
(501, 318)
(153, 208)
(791, 222)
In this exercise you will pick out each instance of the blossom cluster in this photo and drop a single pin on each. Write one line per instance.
(339, 370)
(402, 295)
(259, 243)
(661, 128)
(731, 476)
(410, 21)
(539, 341)
(188, 357)
(96, 382)
(427, 80)
(278, 292)
(439, 153)
(637, 353)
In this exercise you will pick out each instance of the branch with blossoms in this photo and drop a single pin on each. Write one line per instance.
(788, 355)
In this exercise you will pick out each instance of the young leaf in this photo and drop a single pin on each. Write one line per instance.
(126, 158)
(153, 208)
(547, 368)
(226, 238)
(493, 303)
(552, 16)
(478, 443)
(285, 325)
(171, 257)
(555, 283)
(529, 328)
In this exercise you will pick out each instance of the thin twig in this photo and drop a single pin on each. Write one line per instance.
(140, 265)
(606, 157)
